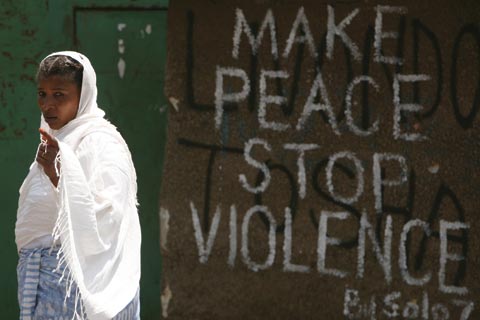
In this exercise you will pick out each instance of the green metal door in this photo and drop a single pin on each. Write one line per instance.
(126, 48)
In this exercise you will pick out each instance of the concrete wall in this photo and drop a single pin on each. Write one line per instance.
(323, 160)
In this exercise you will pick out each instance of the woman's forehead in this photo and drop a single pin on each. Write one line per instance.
(56, 80)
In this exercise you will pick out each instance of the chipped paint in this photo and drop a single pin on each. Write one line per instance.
(164, 227)
(165, 300)
(121, 68)
(433, 169)
(7, 54)
(121, 46)
(174, 102)
(121, 26)
(163, 108)
(148, 28)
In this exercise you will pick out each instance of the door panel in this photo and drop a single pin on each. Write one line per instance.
(127, 50)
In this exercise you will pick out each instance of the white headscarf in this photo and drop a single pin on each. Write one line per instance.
(88, 110)
(101, 250)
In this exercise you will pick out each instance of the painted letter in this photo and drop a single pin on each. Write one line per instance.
(324, 240)
(359, 174)
(402, 107)
(301, 19)
(384, 259)
(271, 239)
(337, 30)
(467, 310)
(379, 34)
(348, 107)
(350, 300)
(221, 97)
(444, 256)
(204, 251)
(267, 99)
(288, 266)
(389, 302)
(254, 163)
(302, 179)
(232, 255)
(242, 25)
(378, 181)
(318, 86)
(402, 259)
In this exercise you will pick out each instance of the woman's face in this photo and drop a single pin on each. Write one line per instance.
(58, 99)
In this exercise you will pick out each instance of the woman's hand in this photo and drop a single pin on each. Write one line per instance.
(46, 155)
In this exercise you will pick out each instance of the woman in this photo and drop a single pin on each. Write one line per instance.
(77, 228)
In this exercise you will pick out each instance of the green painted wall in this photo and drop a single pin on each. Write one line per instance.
(29, 30)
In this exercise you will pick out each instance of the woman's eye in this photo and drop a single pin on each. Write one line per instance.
(41, 94)
(58, 94)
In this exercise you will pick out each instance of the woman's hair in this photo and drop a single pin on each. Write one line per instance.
(60, 65)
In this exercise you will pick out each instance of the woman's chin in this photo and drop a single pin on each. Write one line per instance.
(54, 126)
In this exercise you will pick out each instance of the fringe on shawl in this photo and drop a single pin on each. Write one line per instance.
(63, 226)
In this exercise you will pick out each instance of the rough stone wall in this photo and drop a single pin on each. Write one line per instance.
(322, 161)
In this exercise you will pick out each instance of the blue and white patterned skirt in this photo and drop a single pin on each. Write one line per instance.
(42, 291)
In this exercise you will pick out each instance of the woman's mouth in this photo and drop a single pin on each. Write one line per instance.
(49, 119)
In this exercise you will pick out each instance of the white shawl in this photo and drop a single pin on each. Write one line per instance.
(97, 223)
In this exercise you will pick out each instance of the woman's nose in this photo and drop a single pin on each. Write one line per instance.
(46, 103)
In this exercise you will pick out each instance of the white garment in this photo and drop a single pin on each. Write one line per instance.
(38, 203)
(96, 208)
